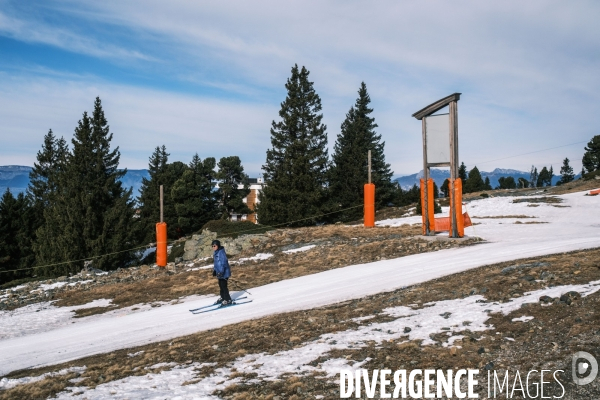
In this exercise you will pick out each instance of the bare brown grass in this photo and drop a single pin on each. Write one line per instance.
(548, 341)
(336, 246)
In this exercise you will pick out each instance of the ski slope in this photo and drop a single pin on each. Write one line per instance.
(26, 340)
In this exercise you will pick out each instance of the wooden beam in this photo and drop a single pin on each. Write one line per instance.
(436, 106)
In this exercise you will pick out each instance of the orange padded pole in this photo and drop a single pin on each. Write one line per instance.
(456, 201)
(369, 205)
(161, 244)
(430, 205)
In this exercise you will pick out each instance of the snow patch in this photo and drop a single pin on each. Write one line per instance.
(6, 383)
(443, 316)
(299, 249)
(522, 319)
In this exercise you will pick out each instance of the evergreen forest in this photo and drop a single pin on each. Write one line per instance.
(76, 209)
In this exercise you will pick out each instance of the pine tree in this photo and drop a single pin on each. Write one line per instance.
(544, 178)
(161, 173)
(43, 177)
(446, 187)
(149, 198)
(566, 172)
(193, 195)
(591, 157)
(487, 184)
(533, 177)
(16, 232)
(462, 174)
(91, 214)
(474, 182)
(507, 183)
(296, 165)
(349, 171)
(231, 176)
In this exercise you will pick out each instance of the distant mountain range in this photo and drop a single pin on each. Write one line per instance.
(439, 175)
(16, 177)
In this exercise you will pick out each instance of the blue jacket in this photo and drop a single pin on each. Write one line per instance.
(221, 264)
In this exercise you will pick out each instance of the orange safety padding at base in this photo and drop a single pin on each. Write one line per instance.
(595, 192)
(161, 244)
(430, 207)
(442, 224)
(467, 220)
(369, 205)
(456, 200)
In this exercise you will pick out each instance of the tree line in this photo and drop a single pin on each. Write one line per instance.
(76, 208)
(473, 181)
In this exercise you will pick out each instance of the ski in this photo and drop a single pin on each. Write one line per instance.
(220, 307)
(214, 304)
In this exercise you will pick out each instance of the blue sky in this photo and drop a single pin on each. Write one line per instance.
(208, 77)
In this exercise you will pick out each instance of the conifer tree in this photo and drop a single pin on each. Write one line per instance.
(296, 165)
(16, 232)
(544, 178)
(507, 182)
(487, 184)
(349, 170)
(91, 214)
(474, 182)
(231, 176)
(161, 173)
(462, 174)
(566, 172)
(149, 198)
(533, 177)
(50, 161)
(591, 156)
(446, 187)
(193, 195)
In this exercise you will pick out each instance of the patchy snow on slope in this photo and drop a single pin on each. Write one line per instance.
(569, 228)
(7, 383)
(449, 316)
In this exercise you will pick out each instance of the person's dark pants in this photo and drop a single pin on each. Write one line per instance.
(224, 291)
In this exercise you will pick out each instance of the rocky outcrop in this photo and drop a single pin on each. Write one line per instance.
(199, 245)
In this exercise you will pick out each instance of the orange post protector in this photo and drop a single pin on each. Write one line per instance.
(161, 244)
(430, 205)
(369, 207)
(456, 201)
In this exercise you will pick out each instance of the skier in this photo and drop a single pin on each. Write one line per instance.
(222, 271)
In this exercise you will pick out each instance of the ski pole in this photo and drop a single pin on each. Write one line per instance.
(239, 287)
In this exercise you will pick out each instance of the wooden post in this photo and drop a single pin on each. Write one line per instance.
(369, 198)
(454, 170)
(369, 161)
(425, 200)
(161, 236)
(161, 203)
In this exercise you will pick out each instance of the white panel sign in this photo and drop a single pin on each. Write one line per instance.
(437, 132)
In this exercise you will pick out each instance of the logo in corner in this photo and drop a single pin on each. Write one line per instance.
(583, 363)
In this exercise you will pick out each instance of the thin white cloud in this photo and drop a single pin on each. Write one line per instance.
(35, 31)
(140, 119)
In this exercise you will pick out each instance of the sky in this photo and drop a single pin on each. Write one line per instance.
(208, 77)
